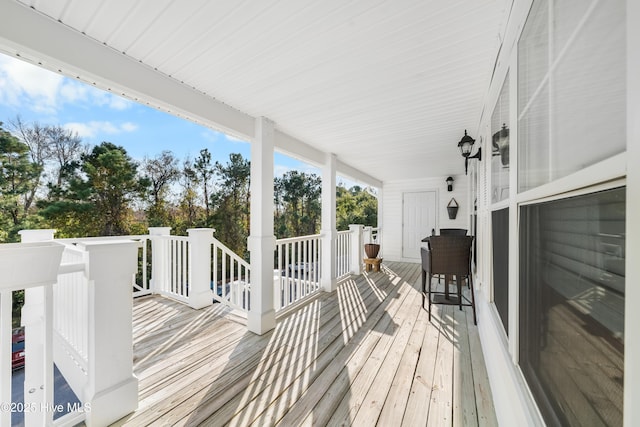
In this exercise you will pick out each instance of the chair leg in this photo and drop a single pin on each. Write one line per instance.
(459, 288)
(424, 282)
(429, 295)
(473, 300)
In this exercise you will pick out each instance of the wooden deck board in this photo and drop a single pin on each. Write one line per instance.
(363, 355)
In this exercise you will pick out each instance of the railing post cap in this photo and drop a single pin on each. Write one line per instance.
(201, 230)
(159, 231)
(27, 236)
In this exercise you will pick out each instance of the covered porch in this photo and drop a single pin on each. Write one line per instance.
(364, 355)
(378, 92)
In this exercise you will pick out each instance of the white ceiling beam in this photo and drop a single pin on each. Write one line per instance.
(305, 152)
(356, 175)
(27, 33)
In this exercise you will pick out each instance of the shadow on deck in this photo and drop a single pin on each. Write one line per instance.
(364, 355)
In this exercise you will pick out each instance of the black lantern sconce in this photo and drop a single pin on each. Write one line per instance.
(449, 184)
(465, 145)
(500, 144)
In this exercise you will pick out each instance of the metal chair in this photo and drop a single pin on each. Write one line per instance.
(451, 256)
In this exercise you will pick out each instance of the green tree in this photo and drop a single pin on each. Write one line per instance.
(34, 136)
(189, 211)
(231, 218)
(161, 171)
(18, 177)
(297, 200)
(64, 147)
(96, 194)
(355, 206)
(204, 171)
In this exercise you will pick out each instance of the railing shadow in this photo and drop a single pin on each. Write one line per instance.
(306, 356)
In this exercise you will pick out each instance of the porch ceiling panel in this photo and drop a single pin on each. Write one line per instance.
(387, 85)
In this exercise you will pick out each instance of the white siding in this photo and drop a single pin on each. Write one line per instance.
(392, 208)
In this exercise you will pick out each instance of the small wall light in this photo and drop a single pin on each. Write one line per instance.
(501, 144)
(450, 184)
(465, 145)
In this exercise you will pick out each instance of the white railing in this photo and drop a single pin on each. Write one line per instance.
(140, 282)
(343, 253)
(80, 319)
(297, 269)
(30, 267)
(171, 267)
(230, 277)
(89, 298)
(71, 318)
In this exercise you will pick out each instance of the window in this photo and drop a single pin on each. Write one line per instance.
(572, 268)
(500, 231)
(571, 88)
(500, 146)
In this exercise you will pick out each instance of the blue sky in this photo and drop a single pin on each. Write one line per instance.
(39, 95)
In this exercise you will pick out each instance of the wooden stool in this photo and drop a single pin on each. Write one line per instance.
(372, 263)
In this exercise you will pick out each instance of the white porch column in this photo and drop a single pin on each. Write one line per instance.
(380, 213)
(112, 389)
(158, 258)
(200, 240)
(328, 229)
(37, 318)
(262, 242)
(357, 245)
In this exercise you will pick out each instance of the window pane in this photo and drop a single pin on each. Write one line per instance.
(571, 88)
(572, 307)
(500, 143)
(500, 231)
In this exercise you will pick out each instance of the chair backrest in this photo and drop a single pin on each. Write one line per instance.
(450, 255)
(453, 231)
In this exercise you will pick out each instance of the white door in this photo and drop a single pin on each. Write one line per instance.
(418, 219)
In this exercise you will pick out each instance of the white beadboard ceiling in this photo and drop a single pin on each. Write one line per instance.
(389, 86)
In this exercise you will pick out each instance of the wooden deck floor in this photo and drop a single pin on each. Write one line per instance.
(365, 355)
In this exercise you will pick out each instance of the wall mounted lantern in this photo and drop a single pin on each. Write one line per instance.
(501, 145)
(465, 145)
(449, 184)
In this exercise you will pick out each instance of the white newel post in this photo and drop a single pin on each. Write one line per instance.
(262, 242)
(328, 228)
(112, 389)
(357, 247)
(200, 240)
(37, 318)
(5, 355)
(158, 258)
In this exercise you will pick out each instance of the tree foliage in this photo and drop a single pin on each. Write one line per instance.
(18, 177)
(355, 206)
(231, 218)
(160, 171)
(102, 191)
(97, 195)
(297, 201)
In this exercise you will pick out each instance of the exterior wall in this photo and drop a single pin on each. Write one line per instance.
(513, 400)
(392, 208)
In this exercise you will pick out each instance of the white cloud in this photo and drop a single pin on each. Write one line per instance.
(91, 130)
(23, 82)
(129, 127)
(40, 90)
(233, 138)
